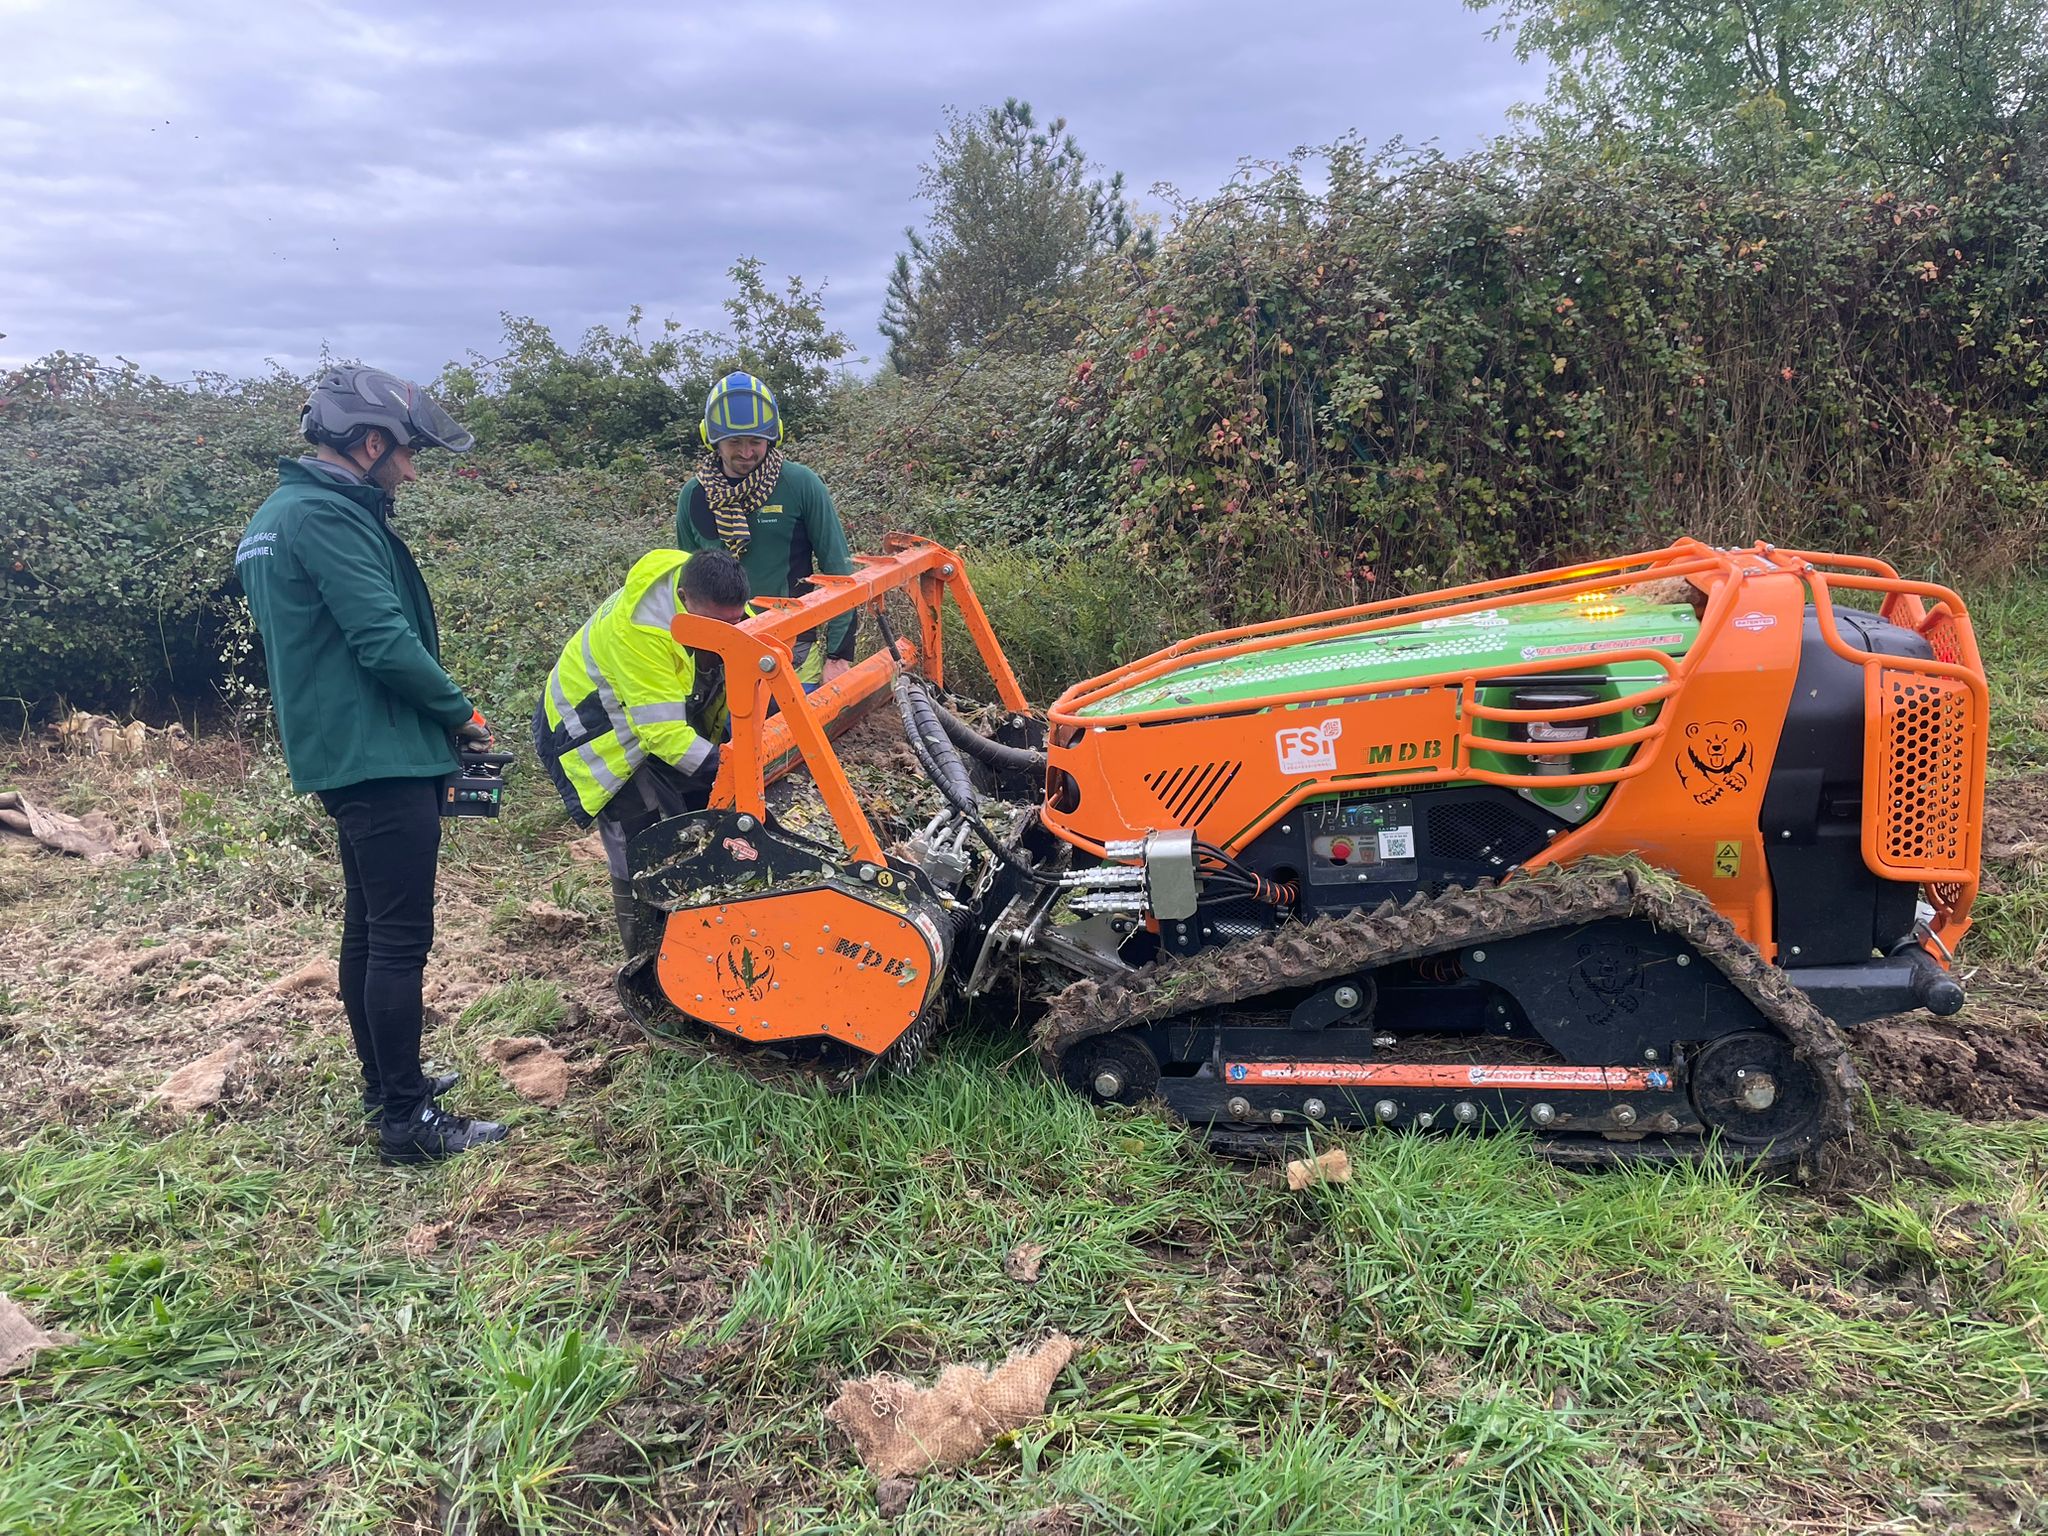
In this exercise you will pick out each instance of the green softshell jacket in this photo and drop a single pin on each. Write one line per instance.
(797, 531)
(348, 636)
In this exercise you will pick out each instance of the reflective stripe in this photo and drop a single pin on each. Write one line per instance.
(572, 723)
(622, 723)
(656, 714)
(657, 604)
(700, 751)
(599, 770)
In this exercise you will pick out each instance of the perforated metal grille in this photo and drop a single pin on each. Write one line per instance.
(1189, 793)
(1940, 635)
(1480, 833)
(1927, 778)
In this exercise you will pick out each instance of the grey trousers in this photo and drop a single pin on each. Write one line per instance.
(654, 793)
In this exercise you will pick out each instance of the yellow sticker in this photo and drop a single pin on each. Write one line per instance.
(1727, 860)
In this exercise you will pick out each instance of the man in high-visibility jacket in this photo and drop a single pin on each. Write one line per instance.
(629, 723)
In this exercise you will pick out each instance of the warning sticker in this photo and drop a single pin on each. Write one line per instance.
(1727, 859)
(1610, 643)
(1360, 1074)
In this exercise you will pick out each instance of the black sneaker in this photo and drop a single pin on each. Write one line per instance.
(437, 1087)
(432, 1134)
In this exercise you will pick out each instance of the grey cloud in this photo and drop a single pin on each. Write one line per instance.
(215, 184)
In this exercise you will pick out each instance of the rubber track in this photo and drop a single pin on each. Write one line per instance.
(1305, 954)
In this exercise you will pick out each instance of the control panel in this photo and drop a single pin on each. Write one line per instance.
(1360, 841)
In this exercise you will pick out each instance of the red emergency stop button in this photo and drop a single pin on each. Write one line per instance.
(1340, 850)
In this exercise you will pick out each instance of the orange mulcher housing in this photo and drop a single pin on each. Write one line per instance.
(1797, 738)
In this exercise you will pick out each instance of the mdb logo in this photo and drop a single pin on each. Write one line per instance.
(1309, 748)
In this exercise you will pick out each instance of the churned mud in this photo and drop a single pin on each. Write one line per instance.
(1989, 1062)
(2016, 818)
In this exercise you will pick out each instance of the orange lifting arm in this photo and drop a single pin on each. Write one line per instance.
(759, 672)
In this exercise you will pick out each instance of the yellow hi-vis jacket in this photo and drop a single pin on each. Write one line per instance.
(624, 691)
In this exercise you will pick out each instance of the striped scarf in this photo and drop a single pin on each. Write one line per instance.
(734, 501)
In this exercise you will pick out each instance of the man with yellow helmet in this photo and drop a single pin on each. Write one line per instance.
(770, 512)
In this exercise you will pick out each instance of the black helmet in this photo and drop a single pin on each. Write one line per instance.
(347, 402)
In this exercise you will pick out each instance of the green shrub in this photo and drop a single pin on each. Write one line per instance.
(120, 501)
(1445, 368)
(1060, 620)
(1429, 369)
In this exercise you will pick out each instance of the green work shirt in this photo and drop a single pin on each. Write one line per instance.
(797, 531)
(348, 636)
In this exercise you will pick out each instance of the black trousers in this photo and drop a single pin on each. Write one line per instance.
(390, 846)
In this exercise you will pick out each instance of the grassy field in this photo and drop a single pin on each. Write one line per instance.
(631, 1316)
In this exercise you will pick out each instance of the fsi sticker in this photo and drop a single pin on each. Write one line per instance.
(1727, 859)
(1309, 748)
(1396, 844)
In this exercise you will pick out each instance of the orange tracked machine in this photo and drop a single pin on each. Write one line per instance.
(1609, 852)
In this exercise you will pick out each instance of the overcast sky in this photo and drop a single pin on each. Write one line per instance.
(209, 184)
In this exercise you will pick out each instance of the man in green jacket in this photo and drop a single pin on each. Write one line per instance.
(368, 717)
(771, 512)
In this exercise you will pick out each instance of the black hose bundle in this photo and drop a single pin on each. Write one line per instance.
(943, 765)
(1002, 758)
(1225, 879)
(934, 749)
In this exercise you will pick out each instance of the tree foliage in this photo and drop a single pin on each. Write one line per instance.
(1892, 86)
(1015, 220)
(121, 496)
(623, 395)
(1337, 381)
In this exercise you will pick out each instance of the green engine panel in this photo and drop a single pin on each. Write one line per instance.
(1505, 638)
(1494, 637)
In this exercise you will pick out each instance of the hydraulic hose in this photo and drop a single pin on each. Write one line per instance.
(934, 749)
(943, 764)
(995, 754)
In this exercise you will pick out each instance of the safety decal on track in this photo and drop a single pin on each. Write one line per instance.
(1338, 1074)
